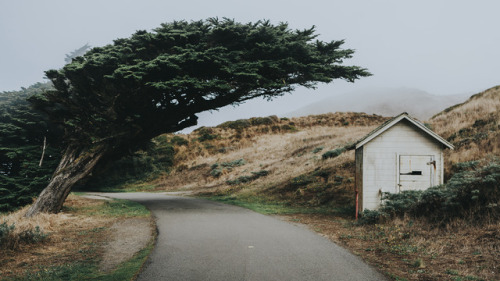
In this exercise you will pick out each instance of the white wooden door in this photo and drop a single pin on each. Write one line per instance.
(416, 172)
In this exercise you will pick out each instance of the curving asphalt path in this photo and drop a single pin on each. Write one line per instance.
(204, 240)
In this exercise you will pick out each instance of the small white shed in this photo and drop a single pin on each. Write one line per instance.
(401, 154)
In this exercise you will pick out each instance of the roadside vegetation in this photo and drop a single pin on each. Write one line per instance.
(68, 245)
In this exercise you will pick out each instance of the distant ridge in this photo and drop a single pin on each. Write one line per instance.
(385, 102)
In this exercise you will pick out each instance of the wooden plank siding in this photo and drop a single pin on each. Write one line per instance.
(380, 160)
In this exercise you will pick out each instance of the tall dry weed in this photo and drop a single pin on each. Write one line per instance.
(45, 223)
(473, 127)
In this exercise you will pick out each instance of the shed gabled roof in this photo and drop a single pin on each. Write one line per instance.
(389, 123)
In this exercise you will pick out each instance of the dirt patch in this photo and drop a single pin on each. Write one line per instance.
(128, 237)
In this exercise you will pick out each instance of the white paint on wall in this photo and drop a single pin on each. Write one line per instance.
(400, 158)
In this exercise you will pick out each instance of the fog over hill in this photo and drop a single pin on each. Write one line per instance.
(385, 102)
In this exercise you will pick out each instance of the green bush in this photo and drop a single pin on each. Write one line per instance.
(473, 193)
(218, 168)
(261, 173)
(317, 149)
(289, 127)
(302, 180)
(372, 217)
(8, 240)
(234, 163)
(245, 179)
(5, 232)
(264, 120)
(399, 203)
(237, 125)
(333, 153)
(176, 140)
(32, 236)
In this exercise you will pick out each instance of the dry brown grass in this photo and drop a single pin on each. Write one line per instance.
(485, 104)
(473, 127)
(284, 154)
(416, 250)
(71, 237)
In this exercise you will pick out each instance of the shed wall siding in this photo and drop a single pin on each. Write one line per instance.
(381, 160)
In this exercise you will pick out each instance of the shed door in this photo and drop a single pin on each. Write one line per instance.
(416, 172)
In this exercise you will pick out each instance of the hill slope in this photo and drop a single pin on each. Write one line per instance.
(304, 161)
(472, 126)
(281, 158)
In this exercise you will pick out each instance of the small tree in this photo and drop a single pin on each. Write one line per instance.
(117, 97)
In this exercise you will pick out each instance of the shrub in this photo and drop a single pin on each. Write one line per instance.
(234, 163)
(289, 127)
(261, 173)
(239, 180)
(218, 168)
(207, 137)
(301, 180)
(472, 193)
(176, 140)
(372, 217)
(317, 149)
(264, 120)
(333, 153)
(216, 171)
(32, 236)
(8, 239)
(399, 203)
(245, 179)
(237, 125)
(5, 231)
(465, 165)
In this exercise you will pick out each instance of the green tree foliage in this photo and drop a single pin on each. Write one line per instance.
(155, 82)
(145, 164)
(22, 133)
(115, 98)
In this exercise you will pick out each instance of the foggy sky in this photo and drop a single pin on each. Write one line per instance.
(441, 47)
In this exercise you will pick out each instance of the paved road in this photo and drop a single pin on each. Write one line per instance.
(205, 240)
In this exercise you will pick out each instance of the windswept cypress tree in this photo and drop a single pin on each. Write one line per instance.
(117, 97)
(29, 148)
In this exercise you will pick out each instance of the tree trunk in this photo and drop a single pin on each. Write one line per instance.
(76, 163)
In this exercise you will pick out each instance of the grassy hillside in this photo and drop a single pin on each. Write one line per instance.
(290, 159)
(293, 160)
(473, 127)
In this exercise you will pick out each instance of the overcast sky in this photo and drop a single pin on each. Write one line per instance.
(441, 47)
